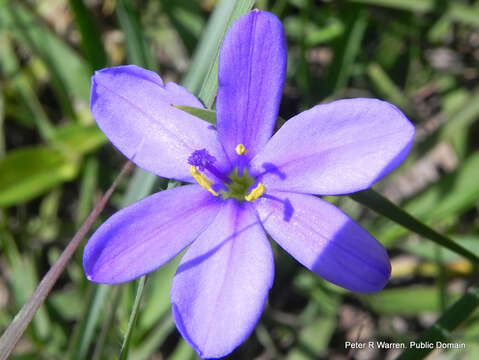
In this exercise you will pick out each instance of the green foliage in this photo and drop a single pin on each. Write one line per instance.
(31, 171)
(419, 54)
(91, 43)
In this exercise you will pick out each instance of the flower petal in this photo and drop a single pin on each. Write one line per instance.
(222, 283)
(145, 235)
(252, 68)
(325, 240)
(134, 110)
(337, 148)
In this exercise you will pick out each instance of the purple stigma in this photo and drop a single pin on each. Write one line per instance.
(201, 159)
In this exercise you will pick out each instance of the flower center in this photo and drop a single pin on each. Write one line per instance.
(237, 185)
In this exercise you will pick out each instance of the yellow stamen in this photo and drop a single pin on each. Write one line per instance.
(241, 150)
(256, 192)
(202, 180)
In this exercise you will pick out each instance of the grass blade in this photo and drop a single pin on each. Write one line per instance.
(205, 53)
(107, 324)
(463, 118)
(186, 19)
(411, 5)
(383, 206)
(70, 74)
(387, 88)
(24, 278)
(10, 67)
(23, 318)
(91, 39)
(2, 132)
(88, 323)
(87, 189)
(183, 351)
(207, 93)
(132, 321)
(441, 330)
(204, 68)
(138, 50)
(141, 184)
(154, 340)
(454, 194)
(346, 49)
(397, 301)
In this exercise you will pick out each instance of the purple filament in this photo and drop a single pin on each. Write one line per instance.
(202, 159)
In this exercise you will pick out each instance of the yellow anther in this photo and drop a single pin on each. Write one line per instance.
(256, 192)
(241, 150)
(202, 180)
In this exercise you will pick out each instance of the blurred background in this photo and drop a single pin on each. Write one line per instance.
(421, 55)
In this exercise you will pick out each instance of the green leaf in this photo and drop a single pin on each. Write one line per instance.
(386, 87)
(461, 108)
(468, 15)
(22, 88)
(141, 184)
(87, 326)
(454, 194)
(411, 5)
(68, 302)
(466, 115)
(183, 351)
(31, 171)
(398, 301)
(157, 295)
(137, 46)
(70, 73)
(20, 322)
(109, 322)
(23, 279)
(383, 206)
(132, 321)
(204, 67)
(79, 139)
(425, 250)
(449, 320)
(88, 186)
(313, 339)
(315, 33)
(440, 29)
(389, 49)
(186, 18)
(2, 116)
(207, 114)
(346, 48)
(91, 38)
(150, 344)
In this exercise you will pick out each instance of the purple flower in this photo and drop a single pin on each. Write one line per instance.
(249, 183)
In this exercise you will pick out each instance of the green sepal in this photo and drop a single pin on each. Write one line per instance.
(206, 115)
